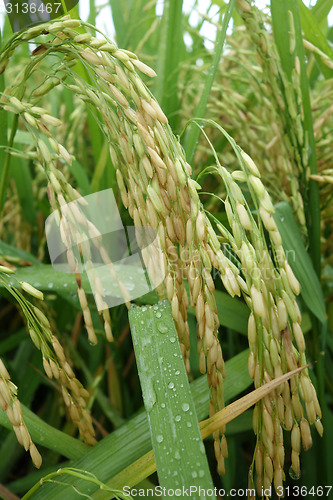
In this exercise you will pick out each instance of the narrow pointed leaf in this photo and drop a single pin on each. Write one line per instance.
(170, 408)
(299, 260)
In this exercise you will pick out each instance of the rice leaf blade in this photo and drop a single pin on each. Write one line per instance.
(23, 181)
(281, 30)
(321, 10)
(194, 132)
(117, 11)
(314, 35)
(289, 16)
(300, 261)
(171, 45)
(170, 409)
(46, 435)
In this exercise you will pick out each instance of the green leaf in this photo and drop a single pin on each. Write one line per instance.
(117, 10)
(10, 250)
(281, 30)
(286, 14)
(171, 45)
(314, 35)
(22, 137)
(170, 409)
(23, 181)
(299, 260)
(322, 9)
(193, 134)
(81, 178)
(47, 279)
(232, 312)
(46, 435)
(100, 167)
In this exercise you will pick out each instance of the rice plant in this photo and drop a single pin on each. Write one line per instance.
(223, 156)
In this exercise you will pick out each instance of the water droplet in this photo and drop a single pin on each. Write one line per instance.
(142, 322)
(50, 285)
(149, 395)
(188, 424)
(144, 309)
(158, 314)
(202, 448)
(173, 339)
(293, 475)
(162, 405)
(201, 473)
(65, 285)
(171, 385)
(155, 307)
(162, 328)
(178, 418)
(185, 406)
(194, 474)
(177, 372)
(159, 438)
(177, 456)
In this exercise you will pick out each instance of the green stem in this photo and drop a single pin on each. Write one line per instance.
(170, 47)
(3, 118)
(319, 331)
(193, 135)
(312, 214)
(312, 211)
(4, 176)
(103, 401)
(76, 473)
